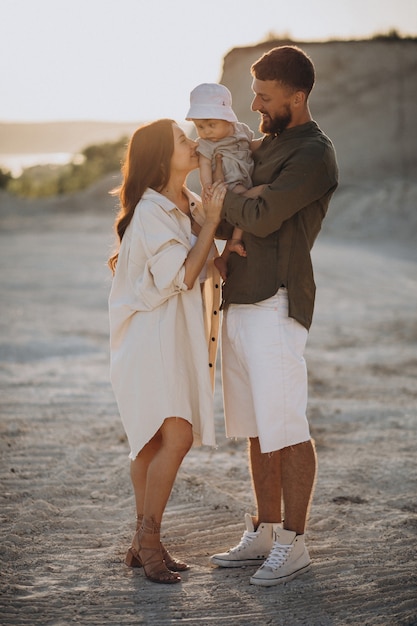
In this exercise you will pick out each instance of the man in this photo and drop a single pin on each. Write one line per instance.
(268, 300)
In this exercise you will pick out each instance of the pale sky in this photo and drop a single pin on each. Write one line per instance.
(136, 60)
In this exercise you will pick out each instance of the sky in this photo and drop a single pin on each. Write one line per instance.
(137, 60)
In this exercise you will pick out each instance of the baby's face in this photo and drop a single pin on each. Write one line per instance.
(213, 130)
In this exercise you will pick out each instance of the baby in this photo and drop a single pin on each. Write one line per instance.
(220, 133)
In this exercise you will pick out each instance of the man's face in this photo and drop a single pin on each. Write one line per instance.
(273, 101)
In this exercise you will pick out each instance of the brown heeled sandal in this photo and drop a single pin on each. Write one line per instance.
(172, 564)
(153, 565)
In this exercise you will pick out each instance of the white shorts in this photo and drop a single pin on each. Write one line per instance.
(264, 373)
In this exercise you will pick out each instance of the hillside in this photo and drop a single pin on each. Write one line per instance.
(49, 137)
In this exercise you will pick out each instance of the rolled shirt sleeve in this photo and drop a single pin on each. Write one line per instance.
(158, 251)
(302, 180)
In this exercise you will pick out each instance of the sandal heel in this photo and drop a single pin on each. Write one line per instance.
(132, 560)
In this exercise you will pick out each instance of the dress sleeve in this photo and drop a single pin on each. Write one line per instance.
(157, 255)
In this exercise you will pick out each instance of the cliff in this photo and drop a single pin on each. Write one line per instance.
(365, 99)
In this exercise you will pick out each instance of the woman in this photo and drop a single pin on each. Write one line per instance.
(159, 358)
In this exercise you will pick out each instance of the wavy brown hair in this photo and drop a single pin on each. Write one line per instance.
(147, 164)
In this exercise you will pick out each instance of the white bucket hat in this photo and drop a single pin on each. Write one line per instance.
(211, 101)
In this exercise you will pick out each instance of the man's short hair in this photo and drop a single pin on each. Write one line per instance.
(289, 65)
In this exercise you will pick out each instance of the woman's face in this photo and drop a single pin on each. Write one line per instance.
(184, 158)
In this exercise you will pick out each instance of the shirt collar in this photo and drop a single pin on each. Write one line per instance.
(193, 200)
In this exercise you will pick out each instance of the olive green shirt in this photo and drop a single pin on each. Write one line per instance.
(299, 169)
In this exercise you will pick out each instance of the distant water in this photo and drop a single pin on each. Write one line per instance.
(16, 163)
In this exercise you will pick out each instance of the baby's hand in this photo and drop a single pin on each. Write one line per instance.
(206, 192)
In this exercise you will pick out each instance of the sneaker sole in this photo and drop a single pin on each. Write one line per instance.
(224, 563)
(271, 582)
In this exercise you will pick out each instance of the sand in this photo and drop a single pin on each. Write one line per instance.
(67, 506)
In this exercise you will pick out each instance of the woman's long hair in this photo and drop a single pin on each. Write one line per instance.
(147, 164)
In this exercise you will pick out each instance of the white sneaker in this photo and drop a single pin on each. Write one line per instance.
(253, 548)
(287, 559)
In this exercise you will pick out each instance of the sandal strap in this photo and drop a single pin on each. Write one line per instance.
(153, 564)
(154, 556)
(150, 526)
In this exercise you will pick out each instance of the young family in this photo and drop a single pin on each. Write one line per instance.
(267, 198)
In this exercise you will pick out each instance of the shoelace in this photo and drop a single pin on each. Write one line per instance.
(278, 555)
(246, 540)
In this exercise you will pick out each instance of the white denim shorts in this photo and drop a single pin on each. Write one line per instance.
(264, 373)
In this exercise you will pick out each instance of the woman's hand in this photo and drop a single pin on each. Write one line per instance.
(213, 197)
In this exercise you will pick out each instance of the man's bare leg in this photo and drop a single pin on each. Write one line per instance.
(292, 468)
(298, 471)
(266, 478)
(289, 556)
(258, 538)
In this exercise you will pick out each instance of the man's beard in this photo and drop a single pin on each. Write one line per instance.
(275, 125)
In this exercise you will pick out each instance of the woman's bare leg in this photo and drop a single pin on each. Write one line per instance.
(176, 440)
(139, 470)
(160, 461)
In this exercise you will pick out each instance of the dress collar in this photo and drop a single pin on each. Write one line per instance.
(193, 200)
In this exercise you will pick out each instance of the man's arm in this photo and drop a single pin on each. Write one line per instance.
(303, 180)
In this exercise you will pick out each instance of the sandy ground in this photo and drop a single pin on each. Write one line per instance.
(67, 513)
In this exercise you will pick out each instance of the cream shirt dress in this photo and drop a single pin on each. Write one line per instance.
(159, 359)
